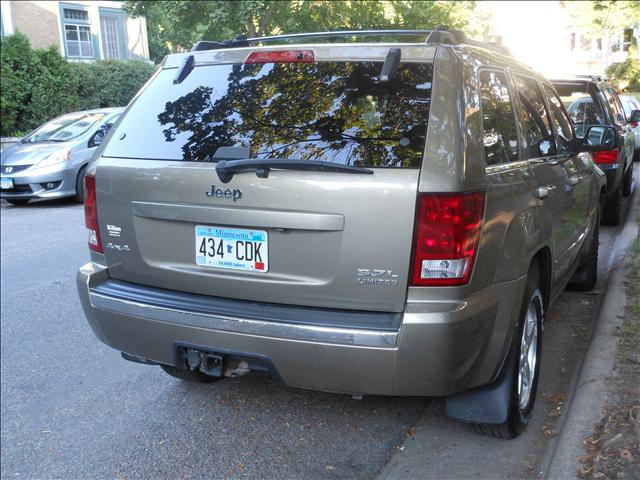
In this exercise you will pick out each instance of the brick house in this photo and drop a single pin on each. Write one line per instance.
(82, 30)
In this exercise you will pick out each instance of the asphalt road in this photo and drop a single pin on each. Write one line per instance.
(72, 408)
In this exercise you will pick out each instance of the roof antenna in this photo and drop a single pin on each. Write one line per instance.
(391, 64)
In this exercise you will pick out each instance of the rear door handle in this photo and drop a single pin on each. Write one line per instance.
(545, 191)
(575, 180)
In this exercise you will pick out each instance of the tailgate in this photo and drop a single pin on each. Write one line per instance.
(334, 240)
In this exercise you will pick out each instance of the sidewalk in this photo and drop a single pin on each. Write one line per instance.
(586, 407)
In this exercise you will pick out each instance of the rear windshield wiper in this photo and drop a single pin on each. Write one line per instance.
(227, 168)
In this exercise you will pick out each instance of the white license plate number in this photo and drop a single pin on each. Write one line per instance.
(6, 183)
(232, 248)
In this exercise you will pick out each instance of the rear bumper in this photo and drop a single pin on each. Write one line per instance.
(439, 349)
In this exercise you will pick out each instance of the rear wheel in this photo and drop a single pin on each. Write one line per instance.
(612, 209)
(627, 181)
(80, 185)
(17, 201)
(586, 276)
(528, 347)
(189, 375)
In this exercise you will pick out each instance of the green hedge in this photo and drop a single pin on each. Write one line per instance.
(38, 85)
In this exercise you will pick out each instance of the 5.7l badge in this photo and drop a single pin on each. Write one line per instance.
(375, 276)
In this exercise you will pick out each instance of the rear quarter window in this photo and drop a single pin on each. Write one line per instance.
(329, 111)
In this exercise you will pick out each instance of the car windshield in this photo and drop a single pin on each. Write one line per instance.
(64, 128)
(582, 105)
(330, 111)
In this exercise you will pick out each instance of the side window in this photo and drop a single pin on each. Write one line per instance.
(614, 104)
(535, 118)
(498, 121)
(559, 120)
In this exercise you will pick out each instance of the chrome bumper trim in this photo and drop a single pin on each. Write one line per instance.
(286, 331)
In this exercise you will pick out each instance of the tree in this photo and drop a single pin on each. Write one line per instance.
(604, 15)
(176, 25)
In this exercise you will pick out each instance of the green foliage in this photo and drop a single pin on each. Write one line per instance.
(175, 26)
(601, 16)
(110, 83)
(626, 75)
(38, 85)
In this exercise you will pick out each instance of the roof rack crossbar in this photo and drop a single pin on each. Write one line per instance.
(243, 41)
(439, 35)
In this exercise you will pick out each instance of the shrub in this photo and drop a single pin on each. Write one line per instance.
(110, 83)
(38, 85)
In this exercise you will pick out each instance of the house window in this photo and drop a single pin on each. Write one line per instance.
(110, 28)
(627, 39)
(585, 43)
(77, 15)
(77, 33)
(78, 38)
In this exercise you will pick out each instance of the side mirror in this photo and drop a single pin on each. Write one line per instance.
(599, 137)
(96, 138)
(635, 116)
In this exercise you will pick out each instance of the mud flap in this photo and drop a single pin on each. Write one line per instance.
(489, 405)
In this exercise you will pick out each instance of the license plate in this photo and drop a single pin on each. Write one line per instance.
(232, 248)
(6, 183)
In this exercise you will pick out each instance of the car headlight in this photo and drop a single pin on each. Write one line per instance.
(59, 156)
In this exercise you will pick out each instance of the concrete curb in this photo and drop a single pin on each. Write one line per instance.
(588, 398)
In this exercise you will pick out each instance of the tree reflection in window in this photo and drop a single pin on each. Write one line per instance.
(337, 112)
(498, 122)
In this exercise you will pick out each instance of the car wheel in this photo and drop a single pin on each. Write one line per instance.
(612, 209)
(586, 276)
(189, 375)
(80, 185)
(627, 181)
(528, 345)
(17, 201)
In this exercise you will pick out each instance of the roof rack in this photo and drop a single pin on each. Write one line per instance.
(440, 35)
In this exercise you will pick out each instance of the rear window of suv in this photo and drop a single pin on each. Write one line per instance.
(582, 104)
(329, 111)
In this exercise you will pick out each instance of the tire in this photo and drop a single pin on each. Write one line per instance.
(189, 375)
(586, 277)
(80, 185)
(17, 201)
(612, 209)
(627, 181)
(527, 349)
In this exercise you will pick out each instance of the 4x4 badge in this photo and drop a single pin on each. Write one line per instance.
(235, 194)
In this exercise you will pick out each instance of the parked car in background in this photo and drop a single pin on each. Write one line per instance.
(401, 228)
(631, 106)
(50, 162)
(591, 101)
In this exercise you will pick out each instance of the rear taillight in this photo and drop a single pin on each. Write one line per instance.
(91, 214)
(605, 156)
(446, 238)
(282, 56)
(634, 124)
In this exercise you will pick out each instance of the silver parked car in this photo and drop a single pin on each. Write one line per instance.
(385, 218)
(50, 162)
(631, 106)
